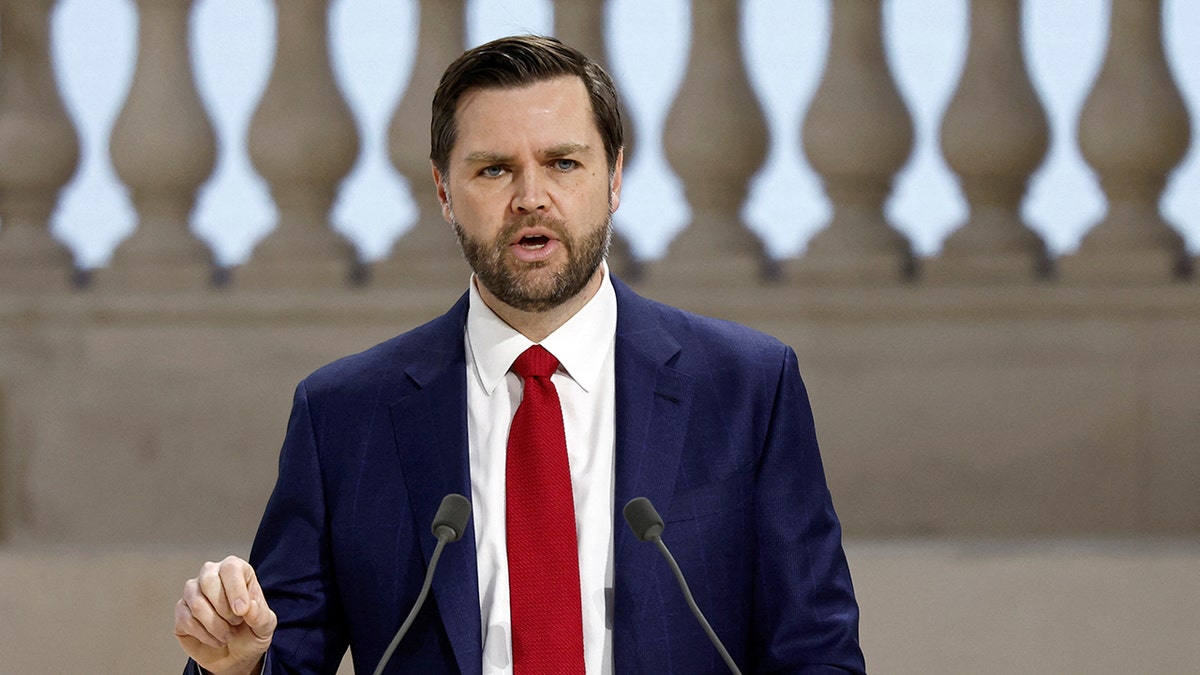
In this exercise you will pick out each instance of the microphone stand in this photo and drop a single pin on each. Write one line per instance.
(448, 526)
(647, 525)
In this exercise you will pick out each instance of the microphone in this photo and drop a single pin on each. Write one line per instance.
(449, 523)
(647, 525)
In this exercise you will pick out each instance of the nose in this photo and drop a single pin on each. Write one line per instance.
(529, 193)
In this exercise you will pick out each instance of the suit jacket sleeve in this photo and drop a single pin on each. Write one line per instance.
(805, 614)
(292, 557)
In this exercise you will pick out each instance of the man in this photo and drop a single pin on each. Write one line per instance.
(707, 419)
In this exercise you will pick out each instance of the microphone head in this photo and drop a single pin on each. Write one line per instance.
(643, 519)
(450, 521)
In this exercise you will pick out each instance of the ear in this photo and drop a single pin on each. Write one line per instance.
(615, 184)
(441, 182)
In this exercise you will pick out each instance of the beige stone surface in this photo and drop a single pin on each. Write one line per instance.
(1017, 607)
(1029, 410)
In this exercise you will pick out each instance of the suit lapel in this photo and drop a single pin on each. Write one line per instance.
(430, 426)
(653, 404)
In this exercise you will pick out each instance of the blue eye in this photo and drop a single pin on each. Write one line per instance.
(492, 171)
(565, 164)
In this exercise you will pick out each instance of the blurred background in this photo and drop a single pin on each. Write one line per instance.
(977, 222)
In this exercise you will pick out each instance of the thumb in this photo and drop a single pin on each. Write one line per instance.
(255, 612)
(260, 619)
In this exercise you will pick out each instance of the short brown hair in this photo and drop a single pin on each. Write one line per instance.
(518, 61)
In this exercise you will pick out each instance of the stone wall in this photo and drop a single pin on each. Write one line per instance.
(1042, 409)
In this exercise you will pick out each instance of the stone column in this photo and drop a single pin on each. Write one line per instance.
(1133, 131)
(39, 150)
(715, 140)
(994, 135)
(163, 149)
(303, 140)
(857, 136)
(427, 253)
(580, 23)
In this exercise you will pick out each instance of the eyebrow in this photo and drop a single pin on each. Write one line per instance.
(553, 152)
(564, 149)
(487, 157)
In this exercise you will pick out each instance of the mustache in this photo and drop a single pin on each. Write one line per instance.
(555, 225)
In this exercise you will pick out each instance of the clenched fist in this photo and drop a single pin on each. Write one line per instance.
(223, 621)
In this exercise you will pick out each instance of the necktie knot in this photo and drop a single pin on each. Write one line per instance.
(535, 362)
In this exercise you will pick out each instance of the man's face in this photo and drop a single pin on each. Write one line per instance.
(528, 192)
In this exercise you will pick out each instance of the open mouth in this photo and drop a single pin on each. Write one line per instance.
(534, 242)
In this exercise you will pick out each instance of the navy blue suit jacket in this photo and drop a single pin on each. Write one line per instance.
(713, 425)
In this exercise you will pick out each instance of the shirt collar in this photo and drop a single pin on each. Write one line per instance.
(581, 344)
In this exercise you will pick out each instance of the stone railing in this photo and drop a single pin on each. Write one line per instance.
(993, 388)
(857, 135)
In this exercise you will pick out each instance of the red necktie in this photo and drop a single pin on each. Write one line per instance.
(543, 553)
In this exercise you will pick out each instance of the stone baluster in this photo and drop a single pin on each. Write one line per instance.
(39, 150)
(427, 253)
(1133, 130)
(857, 136)
(715, 140)
(994, 135)
(580, 23)
(303, 141)
(163, 149)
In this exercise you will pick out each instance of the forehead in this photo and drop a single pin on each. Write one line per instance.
(548, 112)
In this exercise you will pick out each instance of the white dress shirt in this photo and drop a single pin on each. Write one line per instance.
(586, 388)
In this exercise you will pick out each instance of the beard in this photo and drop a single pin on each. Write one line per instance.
(533, 287)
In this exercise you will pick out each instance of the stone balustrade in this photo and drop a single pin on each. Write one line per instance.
(857, 135)
(1059, 385)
